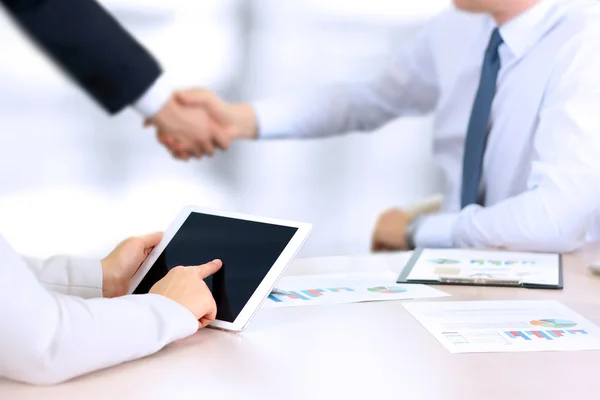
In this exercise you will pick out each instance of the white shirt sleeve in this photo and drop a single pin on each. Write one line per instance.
(563, 195)
(408, 86)
(48, 337)
(436, 231)
(69, 275)
(154, 99)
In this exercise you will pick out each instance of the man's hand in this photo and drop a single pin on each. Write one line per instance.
(226, 122)
(122, 263)
(191, 131)
(185, 285)
(240, 119)
(390, 231)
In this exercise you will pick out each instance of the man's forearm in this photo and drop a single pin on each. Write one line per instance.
(69, 275)
(536, 220)
(44, 346)
(328, 111)
(45, 332)
(91, 46)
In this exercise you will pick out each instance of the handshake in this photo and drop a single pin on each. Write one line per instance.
(195, 123)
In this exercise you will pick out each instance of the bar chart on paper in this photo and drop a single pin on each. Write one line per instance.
(308, 294)
(309, 290)
(545, 335)
(555, 329)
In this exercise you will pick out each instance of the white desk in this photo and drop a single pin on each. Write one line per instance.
(369, 350)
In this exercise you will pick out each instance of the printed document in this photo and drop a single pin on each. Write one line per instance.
(505, 326)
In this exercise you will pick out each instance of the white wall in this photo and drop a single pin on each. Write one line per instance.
(73, 180)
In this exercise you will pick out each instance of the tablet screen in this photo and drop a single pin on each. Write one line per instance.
(248, 250)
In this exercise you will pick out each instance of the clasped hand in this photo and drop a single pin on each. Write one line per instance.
(195, 123)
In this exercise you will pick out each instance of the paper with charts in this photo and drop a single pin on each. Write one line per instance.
(337, 288)
(506, 326)
(534, 268)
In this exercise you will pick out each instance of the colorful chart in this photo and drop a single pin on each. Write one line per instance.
(547, 335)
(387, 289)
(444, 261)
(308, 294)
(553, 323)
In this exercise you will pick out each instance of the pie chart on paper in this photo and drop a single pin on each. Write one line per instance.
(387, 289)
(553, 323)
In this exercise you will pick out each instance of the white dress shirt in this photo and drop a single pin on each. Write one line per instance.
(154, 99)
(55, 327)
(541, 171)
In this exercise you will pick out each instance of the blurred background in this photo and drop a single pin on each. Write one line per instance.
(76, 181)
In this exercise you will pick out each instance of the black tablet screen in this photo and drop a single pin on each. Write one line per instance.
(248, 250)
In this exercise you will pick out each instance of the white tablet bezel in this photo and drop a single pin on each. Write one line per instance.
(264, 289)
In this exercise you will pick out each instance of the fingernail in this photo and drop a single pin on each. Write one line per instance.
(216, 260)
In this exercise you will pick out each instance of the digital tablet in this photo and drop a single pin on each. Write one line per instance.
(255, 252)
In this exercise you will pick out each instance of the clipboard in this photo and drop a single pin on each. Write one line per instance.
(478, 280)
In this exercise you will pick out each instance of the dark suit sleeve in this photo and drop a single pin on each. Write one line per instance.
(91, 46)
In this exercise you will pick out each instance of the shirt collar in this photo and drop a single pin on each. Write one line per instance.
(521, 33)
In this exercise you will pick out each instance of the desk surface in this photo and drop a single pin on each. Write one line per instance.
(375, 350)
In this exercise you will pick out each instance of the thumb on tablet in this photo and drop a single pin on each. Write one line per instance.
(209, 268)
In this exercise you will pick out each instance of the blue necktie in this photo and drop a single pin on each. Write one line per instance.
(479, 123)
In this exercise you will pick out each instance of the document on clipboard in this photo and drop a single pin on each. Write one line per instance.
(483, 268)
